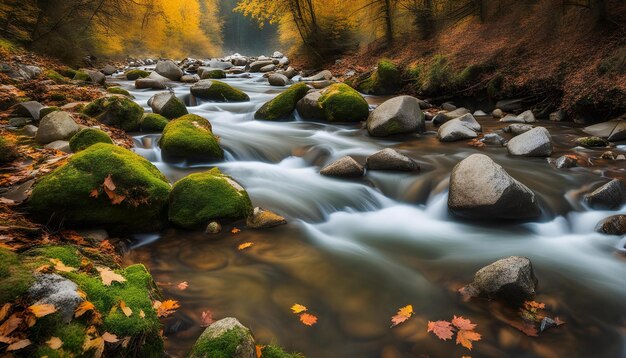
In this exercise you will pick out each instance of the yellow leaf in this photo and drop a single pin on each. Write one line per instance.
(4, 311)
(54, 343)
(42, 310)
(60, 266)
(298, 308)
(127, 311)
(19, 345)
(235, 230)
(465, 338)
(10, 325)
(166, 307)
(83, 308)
(245, 245)
(142, 314)
(109, 337)
(97, 344)
(108, 276)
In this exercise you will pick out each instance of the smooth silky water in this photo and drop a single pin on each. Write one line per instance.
(355, 251)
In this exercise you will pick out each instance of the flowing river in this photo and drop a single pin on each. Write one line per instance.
(355, 251)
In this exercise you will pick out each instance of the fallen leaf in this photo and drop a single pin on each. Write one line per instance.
(441, 329)
(558, 321)
(403, 314)
(108, 276)
(54, 343)
(308, 319)
(109, 337)
(42, 310)
(235, 231)
(83, 308)
(42, 268)
(465, 338)
(125, 342)
(298, 308)
(166, 307)
(10, 325)
(108, 183)
(97, 344)
(183, 285)
(463, 323)
(94, 194)
(245, 245)
(142, 314)
(18, 345)
(533, 305)
(82, 294)
(127, 311)
(207, 319)
(60, 266)
(4, 311)
(259, 351)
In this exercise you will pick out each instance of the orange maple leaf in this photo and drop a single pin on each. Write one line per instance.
(245, 245)
(442, 329)
(166, 307)
(465, 338)
(259, 351)
(308, 319)
(235, 230)
(83, 308)
(463, 323)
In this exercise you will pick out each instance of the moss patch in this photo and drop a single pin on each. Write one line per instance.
(82, 76)
(87, 137)
(341, 103)
(153, 123)
(272, 351)
(190, 137)
(385, 80)
(116, 111)
(119, 90)
(282, 105)
(16, 278)
(221, 347)
(7, 151)
(203, 197)
(213, 74)
(218, 91)
(55, 76)
(133, 75)
(67, 193)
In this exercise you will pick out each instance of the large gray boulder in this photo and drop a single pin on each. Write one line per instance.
(482, 189)
(390, 159)
(108, 70)
(395, 116)
(443, 117)
(518, 128)
(56, 126)
(609, 196)
(153, 81)
(278, 80)
(20, 71)
(464, 127)
(95, 76)
(309, 108)
(167, 105)
(614, 131)
(28, 109)
(169, 69)
(243, 345)
(268, 68)
(613, 225)
(256, 66)
(537, 142)
(345, 167)
(511, 279)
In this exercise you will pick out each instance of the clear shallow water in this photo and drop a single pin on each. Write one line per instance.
(355, 251)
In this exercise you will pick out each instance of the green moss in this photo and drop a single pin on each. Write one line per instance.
(213, 74)
(438, 76)
(385, 80)
(87, 137)
(119, 90)
(469, 75)
(69, 255)
(8, 45)
(67, 72)
(47, 110)
(495, 86)
(82, 76)
(57, 96)
(7, 151)
(15, 277)
(190, 137)
(133, 75)
(120, 112)
(65, 194)
(152, 122)
(284, 104)
(222, 347)
(55, 76)
(592, 142)
(218, 91)
(272, 351)
(203, 197)
(173, 108)
(341, 103)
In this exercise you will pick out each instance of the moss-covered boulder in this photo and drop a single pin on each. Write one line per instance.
(120, 91)
(384, 80)
(15, 277)
(592, 142)
(218, 91)
(153, 123)
(167, 105)
(87, 137)
(201, 198)
(211, 73)
(226, 338)
(7, 151)
(283, 105)
(341, 103)
(135, 197)
(136, 288)
(86, 75)
(55, 76)
(116, 111)
(133, 75)
(190, 138)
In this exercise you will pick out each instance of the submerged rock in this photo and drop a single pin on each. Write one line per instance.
(225, 338)
(482, 189)
(218, 91)
(201, 198)
(537, 142)
(75, 195)
(609, 196)
(395, 116)
(345, 167)
(117, 111)
(390, 159)
(283, 105)
(167, 105)
(56, 126)
(613, 225)
(565, 162)
(511, 279)
(263, 219)
(190, 138)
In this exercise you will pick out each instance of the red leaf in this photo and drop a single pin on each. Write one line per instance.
(442, 329)
(207, 319)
